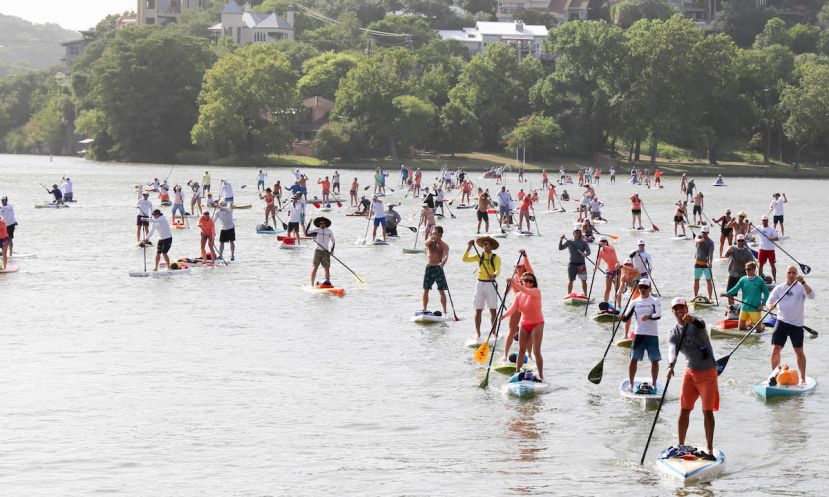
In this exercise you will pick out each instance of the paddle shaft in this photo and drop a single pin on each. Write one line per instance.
(664, 391)
(535, 219)
(497, 325)
(655, 227)
(361, 280)
(803, 267)
(650, 273)
(616, 325)
(144, 246)
(592, 279)
(455, 314)
(808, 329)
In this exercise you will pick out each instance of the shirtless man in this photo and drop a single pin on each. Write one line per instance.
(483, 210)
(437, 252)
(698, 205)
(427, 219)
(353, 192)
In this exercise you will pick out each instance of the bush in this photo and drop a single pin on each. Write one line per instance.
(192, 157)
(340, 140)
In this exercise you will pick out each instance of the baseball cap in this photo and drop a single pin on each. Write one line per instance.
(603, 239)
(678, 301)
(644, 282)
(640, 242)
(765, 218)
(705, 229)
(741, 237)
(4, 198)
(577, 228)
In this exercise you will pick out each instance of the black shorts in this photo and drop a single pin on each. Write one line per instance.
(732, 282)
(726, 231)
(782, 331)
(679, 219)
(227, 235)
(483, 216)
(391, 231)
(164, 245)
(778, 219)
(697, 209)
(142, 221)
(293, 227)
(10, 229)
(438, 203)
(576, 270)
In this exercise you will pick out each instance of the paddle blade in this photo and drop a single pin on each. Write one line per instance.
(359, 279)
(485, 382)
(655, 227)
(811, 331)
(339, 204)
(806, 269)
(482, 352)
(722, 363)
(595, 374)
(317, 205)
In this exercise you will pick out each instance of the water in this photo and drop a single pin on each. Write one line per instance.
(234, 381)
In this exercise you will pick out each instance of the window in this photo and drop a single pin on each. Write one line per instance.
(151, 5)
(150, 20)
(238, 36)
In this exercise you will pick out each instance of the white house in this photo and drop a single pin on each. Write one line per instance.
(166, 11)
(528, 39)
(244, 26)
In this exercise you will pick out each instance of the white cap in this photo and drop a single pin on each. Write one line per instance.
(644, 282)
(705, 229)
(603, 239)
(741, 237)
(577, 228)
(678, 301)
(640, 242)
(765, 218)
(628, 261)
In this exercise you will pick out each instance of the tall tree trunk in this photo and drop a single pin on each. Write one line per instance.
(630, 150)
(638, 149)
(767, 151)
(653, 151)
(797, 148)
(393, 149)
(780, 144)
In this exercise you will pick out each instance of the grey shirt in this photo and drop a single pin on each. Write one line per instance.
(705, 250)
(577, 248)
(739, 258)
(695, 346)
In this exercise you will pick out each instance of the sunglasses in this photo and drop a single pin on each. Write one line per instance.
(644, 286)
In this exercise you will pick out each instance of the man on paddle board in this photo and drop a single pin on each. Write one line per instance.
(378, 210)
(700, 377)
(324, 250)
(755, 293)
(486, 289)
(776, 208)
(738, 256)
(226, 192)
(437, 253)
(642, 260)
(165, 238)
(484, 203)
(208, 236)
(294, 216)
(335, 183)
(69, 195)
(767, 235)
(260, 180)
(7, 213)
(205, 182)
(702, 262)
(228, 233)
(145, 208)
(55, 192)
(648, 311)
(790, 302)
(392, 220)
(576, 268)
(326, 189)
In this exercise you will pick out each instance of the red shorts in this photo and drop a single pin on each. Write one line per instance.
(766, 256)
(529, 327)
(703, 384)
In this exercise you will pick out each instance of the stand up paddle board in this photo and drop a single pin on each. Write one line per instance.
(331, 290)
(779, 391)
(10, 268)
(51, 205)
(475, 342)
(507, 366)
(575, 299)
(22, 256)
(146, 274)
(525, 389)
(412, 251)
(730, 329)
(242, 206)
(290, 246)
(429, 317)
(696, 304)
(688, 468)
(379, 242)
(680, 237)
(646, 400)
(606, 317)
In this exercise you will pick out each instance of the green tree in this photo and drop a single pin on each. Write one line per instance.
(486, 6)
(343, 140)
(45, 130)
(742, 20)
(537, 133)
(16, 103)
(627, 12)
(459, 128)
(322, 74)
(247, 103)
(537, 17)
(581, 90)
(805, 104)
(419, 30)
(335, 37)
(804, 38)
(297, 52)
(774, 33)
(145, 84)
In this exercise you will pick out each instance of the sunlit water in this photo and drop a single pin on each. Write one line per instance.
(235, 381)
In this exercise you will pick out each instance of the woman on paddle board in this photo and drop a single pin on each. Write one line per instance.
(636, 211)
(524, 212)
(270, 209)
(7, 213)
(523, 266)
(700, 377)
(726, 231)
(208, 236)
(195, 202)
(531, 327)
(324, 250)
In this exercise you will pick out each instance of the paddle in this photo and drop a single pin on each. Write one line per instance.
(723, 361)
(144, 246)
(412, 228)
(450, 212)
(808, 330)
(450, 294)
(497, 326)
(483, 350)
(664, 391)
(535, 218)
(560, 203)
(595, 374)
(713, 285)
(612, 237)
(803, 267)
(592, 279)
(359, 279)
(650, 273)
(655, 227)
(368, 224)
(417, 232)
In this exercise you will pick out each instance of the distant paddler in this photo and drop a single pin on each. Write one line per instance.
(145, 208)
(379, 212)
(68, 192)
(160, 224)
(326, 190)
(324, 250)
(228, 233)
(612, 267)
(484, 204)
(260, 180)
(437, 253)
(178, 204)
(486, 288)
(576, 268)
(392, 220)
(7, 213)
(270, 208)
(208, 236)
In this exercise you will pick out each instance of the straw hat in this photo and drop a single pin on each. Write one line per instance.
(320, 220)
(492, 242)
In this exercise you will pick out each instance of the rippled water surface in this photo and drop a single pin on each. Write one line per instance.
(235, 381)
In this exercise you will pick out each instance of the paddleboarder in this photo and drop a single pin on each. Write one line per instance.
(270, 208)
(68, 193)
(178, 204)
(294, 216)
(647, 311)
(392, 220)
(437, 253)
(702, 262)
(524, 213)
(551, 196)
(521, 267)
(607, 253)
(642, 260)
(335, 183)
(226, 192)
(427, 219)
(324, 250)
(55, 192)
(484, 203)
(776, 208)
(636, 211)
(486, 289)
(531, 327)
(738, 257)
(755, 294)
(195, 202)
(379, 212)
(767, 253)
(576, 268)
(4, 242)
(165, 238)
(326, 189)
(205, 182)
(790, 302)
(260, 180)
(699, 381)
(352, 193)
(680, 214)
(7, 213)
(145, 208)
(208, 236)
(697, 209)
(228, 232)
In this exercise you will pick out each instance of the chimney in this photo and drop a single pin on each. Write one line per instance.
(291, 14)
(519, 25)
(247, 5)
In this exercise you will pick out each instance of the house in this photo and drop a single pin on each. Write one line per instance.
(126, 20)
(314, 118)
(166, 11)
(244, 26)
(528, 39)
(563, 10)
(74, 49)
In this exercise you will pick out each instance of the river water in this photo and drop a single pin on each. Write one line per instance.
(235, 381)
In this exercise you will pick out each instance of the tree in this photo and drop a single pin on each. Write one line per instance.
(475, 6)
(323, 73)
(343, 140)
(805, 104)
(297, 52)
(537, 17)
(459, 128)
(581, 90)
(413, 120)
(16, 103)
(247, 103)
(774, 33)
(147, 108)
(334, 37)
(415, 26)
(804, 38)
(45, 130)
(627, 12)
(742, 20)
(540, 134)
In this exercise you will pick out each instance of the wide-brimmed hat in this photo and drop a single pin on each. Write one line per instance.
(321, 220)
(492, 242)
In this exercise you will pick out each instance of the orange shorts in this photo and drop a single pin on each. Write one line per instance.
(703, 384)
